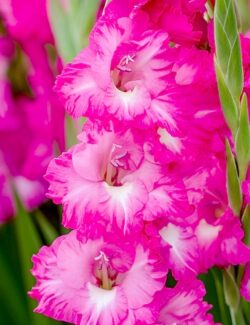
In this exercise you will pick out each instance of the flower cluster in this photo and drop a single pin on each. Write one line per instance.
(31, 117)
(144, 190)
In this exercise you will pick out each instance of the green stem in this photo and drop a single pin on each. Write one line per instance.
(220, 295)
(237, 317)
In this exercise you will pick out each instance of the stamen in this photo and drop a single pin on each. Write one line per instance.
(114, 161)
(102, 271)
(122, 66)
(115, 146)
(129, 58)
(102, 257)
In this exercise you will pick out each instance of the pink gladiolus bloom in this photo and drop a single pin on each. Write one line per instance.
(221, 242)
(124, 79)
(105, 175)
(245, 45)
(246, 188)
(27, 22)
(184, 305)
(7, 207)
(30, 121)
(31, 118)
(24, 161)
(31, 192)
(182, 19)
(144, 189)
(219, 232)
(183, 253)
(211, 236)
(91, 281)
(6, 53)
(206, 184)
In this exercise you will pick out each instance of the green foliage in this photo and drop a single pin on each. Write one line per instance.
(231, 290)
(25, 235)
(214, 295)
(232, 296)
(228, 52)
(229, 71)
(233, 182)
(13, 299)
(48, 231)
(71, 25)
(228, 65)
(228, 102)
(246, 309)
(242, 141)
(28, 242)
(19, 240)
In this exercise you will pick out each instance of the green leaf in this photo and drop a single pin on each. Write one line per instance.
(16, 304)
(238, 318)
(231, 290)
(60, 25)
(73, 128)
(233, 182)
(48, 231)
(13, 298)
(242, 140)
(228, 51)
(71, 25)
(213, 282)
(29, 243)
(84, 17)
(228, 103)
(246, 309)
(7, 314)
